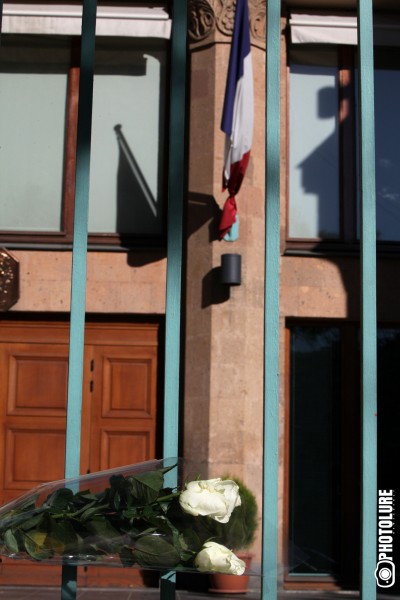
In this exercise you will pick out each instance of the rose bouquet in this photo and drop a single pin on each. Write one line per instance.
(127, 516)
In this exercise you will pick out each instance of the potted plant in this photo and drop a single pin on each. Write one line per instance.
(238, 535)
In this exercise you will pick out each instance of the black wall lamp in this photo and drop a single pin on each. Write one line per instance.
(231, 267)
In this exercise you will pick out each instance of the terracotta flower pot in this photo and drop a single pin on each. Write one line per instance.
(220, 583)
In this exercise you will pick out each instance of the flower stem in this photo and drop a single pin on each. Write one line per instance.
(168, 497)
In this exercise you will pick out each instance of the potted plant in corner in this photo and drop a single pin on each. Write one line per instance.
(238, 535)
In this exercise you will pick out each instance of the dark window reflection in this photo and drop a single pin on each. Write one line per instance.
(315, 373)
(325, 430)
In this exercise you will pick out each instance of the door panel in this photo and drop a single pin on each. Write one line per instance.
(118, 416)
(35, 453)
(123, 405)
(33, 387)
(41, 374)
(124, 447)
(127, 383)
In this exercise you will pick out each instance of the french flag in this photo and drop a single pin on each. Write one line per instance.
(237, 116)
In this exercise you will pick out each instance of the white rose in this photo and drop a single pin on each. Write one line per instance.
(215, 498)
(215, 557)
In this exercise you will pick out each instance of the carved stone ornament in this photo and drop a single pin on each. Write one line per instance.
(202, 20)
(208, 15)
(9, 280)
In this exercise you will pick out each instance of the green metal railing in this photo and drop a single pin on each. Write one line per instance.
(368, 303)
(79, 259)
(368, 300)
(176, 182)
(176, 192)
(271, 305)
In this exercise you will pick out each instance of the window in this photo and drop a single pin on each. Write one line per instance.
(314, 451)
(323, 137)
(387, 130)
(324, 445)
(39, 89)
(33, 107)
(314, 145)
(127, 166)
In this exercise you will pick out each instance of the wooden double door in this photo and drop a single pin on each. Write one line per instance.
(119, 415)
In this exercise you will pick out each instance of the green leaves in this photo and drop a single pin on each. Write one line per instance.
(134, 519)
(34, 545)
(155, 551)
(145, 487)
(60, 500)
(11, 541)
(127, 519)
(106, 537)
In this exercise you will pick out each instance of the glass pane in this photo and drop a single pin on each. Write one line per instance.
(387, 153)
(314, 450)
(314, 145)
(388, 409)
(33, 91)
(387, 132)
(127, 175)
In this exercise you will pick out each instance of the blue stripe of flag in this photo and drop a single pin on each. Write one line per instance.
(240, 48)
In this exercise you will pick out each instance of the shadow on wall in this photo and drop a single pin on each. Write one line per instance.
(131, 184)
(136, 204)
(140, 177)
(203, 208)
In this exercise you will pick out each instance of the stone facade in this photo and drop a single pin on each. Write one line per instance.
(224, 337)
(223, 383)
(224, 328)
(117, 282)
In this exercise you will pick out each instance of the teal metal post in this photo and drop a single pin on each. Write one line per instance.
(79, 256)
(176, 192)
(79, 250)
(271, 306)
(368, 299)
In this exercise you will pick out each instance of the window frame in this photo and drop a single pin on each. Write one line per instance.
(349, 416)
(347, 242)
(350, 441)
(63, 238)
